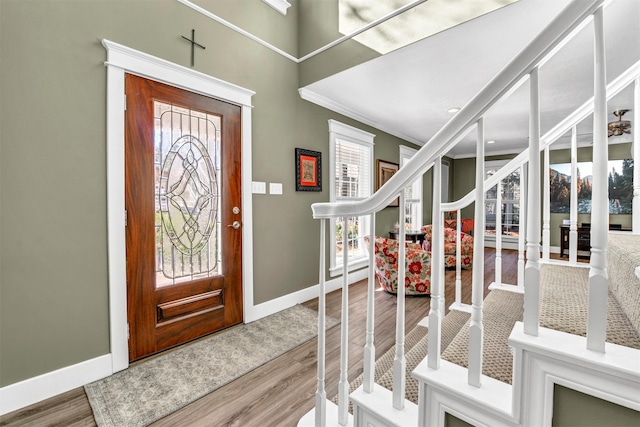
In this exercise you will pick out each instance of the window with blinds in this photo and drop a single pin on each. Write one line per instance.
(351, 169)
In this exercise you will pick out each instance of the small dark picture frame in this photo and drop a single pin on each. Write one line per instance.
(308, 170)
(384, 171)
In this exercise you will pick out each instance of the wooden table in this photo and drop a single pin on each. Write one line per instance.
(411, 235)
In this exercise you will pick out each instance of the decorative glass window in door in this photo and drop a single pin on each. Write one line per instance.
(187, 194)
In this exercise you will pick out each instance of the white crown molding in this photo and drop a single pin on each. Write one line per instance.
(279, 5)
(311, 96)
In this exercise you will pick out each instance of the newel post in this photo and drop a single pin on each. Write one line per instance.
(476, 331)
(532, 266)
(598, 278)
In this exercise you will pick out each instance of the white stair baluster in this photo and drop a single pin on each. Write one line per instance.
(573, 212)
(476, 331)
(598, 279)
(532, 266)
(369, 347)
(546, 207)
(498, 264)
(399, 363)
(522, 224)
(636, 157)
(321, 394)
(343, 384)
(458, 260)
(437, 266)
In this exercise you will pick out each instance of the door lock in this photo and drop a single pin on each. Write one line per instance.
(236, 210)
(235, 225)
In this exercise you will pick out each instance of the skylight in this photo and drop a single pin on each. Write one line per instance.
(426, 19)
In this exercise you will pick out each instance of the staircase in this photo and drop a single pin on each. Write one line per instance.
(496, 362)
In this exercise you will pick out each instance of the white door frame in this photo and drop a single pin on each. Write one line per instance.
(121, 60)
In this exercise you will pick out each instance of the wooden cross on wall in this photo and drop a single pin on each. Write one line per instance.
(192, 40)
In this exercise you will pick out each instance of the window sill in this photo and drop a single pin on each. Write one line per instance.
(354, 265)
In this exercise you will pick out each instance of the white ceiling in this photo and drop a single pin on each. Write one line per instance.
(407, 92)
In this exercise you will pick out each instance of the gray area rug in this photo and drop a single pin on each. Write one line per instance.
(146, 392)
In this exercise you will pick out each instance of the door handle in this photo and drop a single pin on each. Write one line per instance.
(235, 225)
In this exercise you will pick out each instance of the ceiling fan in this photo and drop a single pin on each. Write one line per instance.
(619, 126)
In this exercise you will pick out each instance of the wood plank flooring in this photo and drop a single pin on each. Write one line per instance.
(280, 392)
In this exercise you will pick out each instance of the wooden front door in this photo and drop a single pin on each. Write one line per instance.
(183, 202)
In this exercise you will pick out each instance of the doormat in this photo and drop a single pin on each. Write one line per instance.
(153, 389)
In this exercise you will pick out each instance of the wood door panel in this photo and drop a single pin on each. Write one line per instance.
(189, 306)
(179, 309)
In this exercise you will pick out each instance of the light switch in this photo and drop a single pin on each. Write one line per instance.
(258, 187)
(275, 188)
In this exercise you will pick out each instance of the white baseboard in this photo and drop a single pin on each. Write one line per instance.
(36, 389)
(275, 305)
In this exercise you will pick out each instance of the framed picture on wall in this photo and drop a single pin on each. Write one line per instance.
(384, 171)
(308, 170)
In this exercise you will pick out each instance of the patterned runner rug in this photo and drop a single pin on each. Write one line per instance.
(153, 389)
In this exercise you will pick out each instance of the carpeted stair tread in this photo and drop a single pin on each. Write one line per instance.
(385, 362)
(451, 325)
(563, 307)
(502, 309)
(415, 351)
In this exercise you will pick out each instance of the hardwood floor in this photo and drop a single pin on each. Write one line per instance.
(280, 392)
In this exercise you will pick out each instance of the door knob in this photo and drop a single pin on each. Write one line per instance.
(235, 225)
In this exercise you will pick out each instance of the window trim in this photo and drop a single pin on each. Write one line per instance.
(357, 136)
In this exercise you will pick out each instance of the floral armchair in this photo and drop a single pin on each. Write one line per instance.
(418, 266)
(466, 244)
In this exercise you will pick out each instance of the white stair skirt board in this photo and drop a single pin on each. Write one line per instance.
(446, 390)
(459, 307)
(506, 287)
(376, 409)
(309, 419)
(555, 357)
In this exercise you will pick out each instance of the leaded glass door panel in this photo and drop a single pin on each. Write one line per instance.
(182, 169)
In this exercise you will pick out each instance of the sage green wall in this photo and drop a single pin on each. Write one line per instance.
(572, 408)
(319, 27)
(53, 270)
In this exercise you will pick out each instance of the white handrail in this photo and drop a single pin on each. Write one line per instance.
(441, 142)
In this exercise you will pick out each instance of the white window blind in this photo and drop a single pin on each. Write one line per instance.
(353, 171)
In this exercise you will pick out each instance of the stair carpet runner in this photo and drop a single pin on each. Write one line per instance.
(563, 307)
